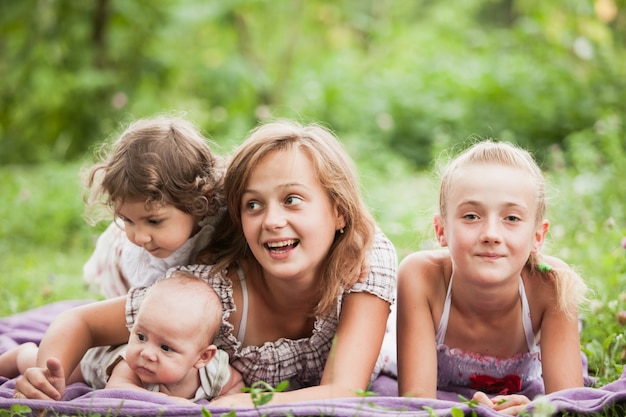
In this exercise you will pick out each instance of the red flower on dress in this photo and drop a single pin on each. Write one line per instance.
(501, 386)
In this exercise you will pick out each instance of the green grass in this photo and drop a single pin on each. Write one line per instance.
(44, 239)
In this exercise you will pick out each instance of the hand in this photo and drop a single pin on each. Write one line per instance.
(505, 404)
(42, 383)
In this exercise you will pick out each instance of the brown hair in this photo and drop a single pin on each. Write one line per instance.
(337, 175)
(164, 160)
(570, 287)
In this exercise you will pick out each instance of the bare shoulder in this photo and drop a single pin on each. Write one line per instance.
(543, 288)
(426, 269)
(556, 263)
(434, 259)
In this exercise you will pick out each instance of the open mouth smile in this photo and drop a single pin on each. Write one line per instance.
(281, 246)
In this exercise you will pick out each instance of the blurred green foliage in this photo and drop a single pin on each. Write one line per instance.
(399, 81)
(415, 75)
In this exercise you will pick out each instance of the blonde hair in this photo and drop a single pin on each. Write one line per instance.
(184, 288)
(337, 175)
(164, 160)
(569, 286)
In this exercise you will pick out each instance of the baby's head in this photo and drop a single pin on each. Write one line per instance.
(186, 302)
(494, 153)
(162, 161)
(174, 329)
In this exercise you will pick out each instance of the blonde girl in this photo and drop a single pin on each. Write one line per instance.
(490, 313)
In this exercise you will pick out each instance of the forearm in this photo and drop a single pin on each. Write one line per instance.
(73, 332)
(66, 339)
(320, 392)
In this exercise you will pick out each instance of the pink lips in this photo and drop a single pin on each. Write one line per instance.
(143, 371)
(490, 256)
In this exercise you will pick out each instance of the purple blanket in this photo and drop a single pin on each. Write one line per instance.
(82, 400)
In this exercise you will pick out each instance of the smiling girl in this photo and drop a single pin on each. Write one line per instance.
(489, 314)
(285, 263)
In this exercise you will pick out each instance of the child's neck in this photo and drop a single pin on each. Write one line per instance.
(482, 301)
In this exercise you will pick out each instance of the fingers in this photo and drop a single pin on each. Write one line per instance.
(18, 395)
(55, 370)
(510, 404)
(56, 376)
(482, 398)
(33, 384)
(42, 383)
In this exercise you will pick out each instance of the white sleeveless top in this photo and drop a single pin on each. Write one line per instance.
(493, 375)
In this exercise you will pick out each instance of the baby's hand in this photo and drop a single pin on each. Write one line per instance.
(505, 404)
(42, 383)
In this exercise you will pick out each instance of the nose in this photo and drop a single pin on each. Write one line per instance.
(274, 217)
(148, 354)
(139, 235)
(491, 230)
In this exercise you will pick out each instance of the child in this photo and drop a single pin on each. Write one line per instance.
(490, 313)
(298, 231)
(176, 356)
(162, 182)
(172, 354)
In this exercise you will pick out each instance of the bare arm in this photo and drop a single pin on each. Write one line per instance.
(560, 351)
(65, 342)
(417, 356)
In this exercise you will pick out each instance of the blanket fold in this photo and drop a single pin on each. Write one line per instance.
(80, 399)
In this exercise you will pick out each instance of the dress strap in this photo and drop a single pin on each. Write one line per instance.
(244, 310)
(526, 320)
(440, 336)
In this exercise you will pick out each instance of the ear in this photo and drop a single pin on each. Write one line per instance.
(540, 236)
(205, 356)
(340, 220)
(440, 232)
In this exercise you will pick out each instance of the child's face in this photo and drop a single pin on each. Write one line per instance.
(165, 348)
(288, 219)
(160, 230)
(490, 227)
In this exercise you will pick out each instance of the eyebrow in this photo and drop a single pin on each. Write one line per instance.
(280, 186)
(480, 204)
